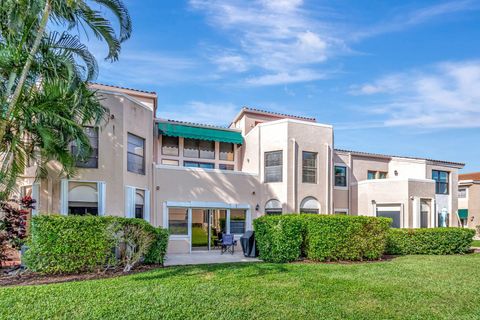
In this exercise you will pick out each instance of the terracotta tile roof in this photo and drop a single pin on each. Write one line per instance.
(123, 88)
(361, 153)
(248, 109)
(475, 176)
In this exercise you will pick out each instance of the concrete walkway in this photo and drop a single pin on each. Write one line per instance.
(206, 257)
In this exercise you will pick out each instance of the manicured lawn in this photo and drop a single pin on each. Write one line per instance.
(476, 243)
(421, 287)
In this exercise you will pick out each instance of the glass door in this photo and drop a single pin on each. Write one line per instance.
(200, 229)
(218, 226)
(207, 228)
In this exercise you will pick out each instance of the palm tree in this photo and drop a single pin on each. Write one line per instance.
(45, 109)
(73, 13)
(51, 113)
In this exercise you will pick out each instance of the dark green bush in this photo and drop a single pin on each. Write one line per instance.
(286, 238)
(279, 238)
(69, 244)
(340, 237)
(158, 249)
(429, 241)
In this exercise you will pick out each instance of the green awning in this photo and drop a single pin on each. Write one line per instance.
(212, 134)
(463, 213)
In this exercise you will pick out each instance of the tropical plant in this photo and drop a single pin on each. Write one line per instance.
(14, 220)
(44, 97)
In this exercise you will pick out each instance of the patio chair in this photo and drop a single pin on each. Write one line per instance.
(228, 243)
(217, 243)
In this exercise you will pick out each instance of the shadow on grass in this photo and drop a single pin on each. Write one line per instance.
(248, 270)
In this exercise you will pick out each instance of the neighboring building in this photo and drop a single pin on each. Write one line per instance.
(469, 199)
(199, 180)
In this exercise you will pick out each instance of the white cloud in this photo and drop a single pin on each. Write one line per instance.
(201, 112)
(139, 67)
(404, 20)
(387, 84)
(304, 75)
(272, 38)
(231, 62)
(444, 96)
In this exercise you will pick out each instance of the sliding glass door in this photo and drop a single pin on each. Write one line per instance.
(207, 228)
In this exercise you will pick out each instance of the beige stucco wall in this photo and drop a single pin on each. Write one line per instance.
(395, 191)
(127, 116)
(472, 203)
(204, 185)
(292, 137)
(449, 201)
(407, 168)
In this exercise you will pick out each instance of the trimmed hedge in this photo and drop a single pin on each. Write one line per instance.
(437, 241)
(340, 237)
(70, 244)
(279, 238)
(286, 238)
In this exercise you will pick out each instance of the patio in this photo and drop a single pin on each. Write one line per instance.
(206, 257)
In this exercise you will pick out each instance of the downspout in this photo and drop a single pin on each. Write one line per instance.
(153, 192)
(294, 174)
(327, 182)
(350, 175)
(331, 181)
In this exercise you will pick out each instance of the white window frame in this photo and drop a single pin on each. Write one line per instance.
(101, 195)
(130, 193)
(466, 192)
(346, 176)
(205, 205)
(403, 220)
(341, 210)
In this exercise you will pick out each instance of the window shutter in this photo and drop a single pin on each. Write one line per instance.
(146, 207)
(64, 197)
(101, 187)
(129, 202)
(36, 197)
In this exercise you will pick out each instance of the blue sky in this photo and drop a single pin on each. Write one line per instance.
(392, 77)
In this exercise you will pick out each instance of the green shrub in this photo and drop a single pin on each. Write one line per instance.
(69, 244)
(158, 249)
(279, 238)
(286, 238)
(340, 237)
(429, 241)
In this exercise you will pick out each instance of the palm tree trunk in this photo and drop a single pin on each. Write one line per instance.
(33, 52)
(26, 67)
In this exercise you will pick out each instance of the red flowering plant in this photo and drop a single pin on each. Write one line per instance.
(13, 220)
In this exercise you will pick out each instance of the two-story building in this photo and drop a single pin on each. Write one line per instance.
(469, 199)
(199, 180)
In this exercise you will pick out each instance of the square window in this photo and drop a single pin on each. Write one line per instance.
(170, 146)
(226, 151)
(273, 166)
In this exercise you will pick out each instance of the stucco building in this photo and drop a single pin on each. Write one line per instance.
(469, 199)
(199, 180)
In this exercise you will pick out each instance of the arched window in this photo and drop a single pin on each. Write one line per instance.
(273, 207)
(139, 204)
(83, 199)
(310, 205)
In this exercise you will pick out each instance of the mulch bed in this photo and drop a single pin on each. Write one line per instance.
(30, 278)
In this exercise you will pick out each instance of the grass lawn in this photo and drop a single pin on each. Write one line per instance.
(476, 243)
(412, 287)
